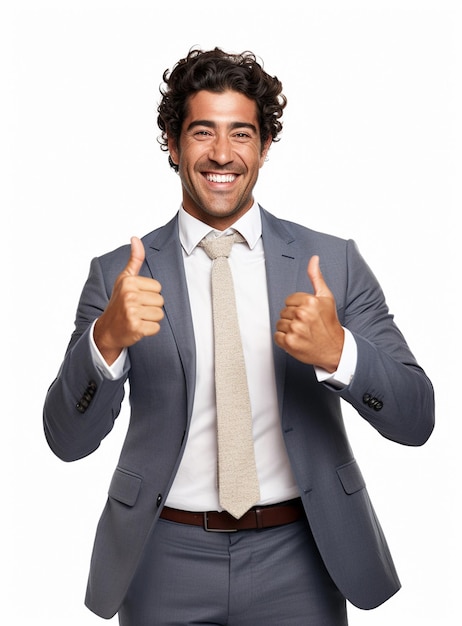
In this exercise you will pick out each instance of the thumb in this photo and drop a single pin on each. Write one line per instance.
(136, 259)
(317, 279)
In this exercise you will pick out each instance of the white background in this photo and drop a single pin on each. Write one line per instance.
(371, 150)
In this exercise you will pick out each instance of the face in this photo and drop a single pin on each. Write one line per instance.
(219, 155)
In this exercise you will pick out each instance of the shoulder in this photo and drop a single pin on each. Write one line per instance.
(118, 257)
(299, 234)
(340, 259)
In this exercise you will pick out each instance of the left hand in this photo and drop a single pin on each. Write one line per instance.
(308, 328)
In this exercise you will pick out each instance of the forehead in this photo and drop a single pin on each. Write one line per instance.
(227, 107)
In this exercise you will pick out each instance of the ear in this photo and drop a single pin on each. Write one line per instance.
(173, 150)
(265, 151)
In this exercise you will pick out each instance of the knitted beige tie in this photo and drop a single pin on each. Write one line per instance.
(237, 472)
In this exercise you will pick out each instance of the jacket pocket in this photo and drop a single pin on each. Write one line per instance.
(125, 486)
(351, 477)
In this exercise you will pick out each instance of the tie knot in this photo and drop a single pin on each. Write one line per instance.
(219, 247)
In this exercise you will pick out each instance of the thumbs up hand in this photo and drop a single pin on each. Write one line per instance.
(308, 328)
(134, 310)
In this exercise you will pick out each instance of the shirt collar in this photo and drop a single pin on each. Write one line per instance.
(192, 230)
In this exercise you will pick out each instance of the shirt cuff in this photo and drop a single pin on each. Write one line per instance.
(112, 372)
(346, 367)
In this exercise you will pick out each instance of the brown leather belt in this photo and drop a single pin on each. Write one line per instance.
(255, 518)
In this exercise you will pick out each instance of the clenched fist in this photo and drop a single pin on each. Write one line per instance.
(134, 310)
(308, 328)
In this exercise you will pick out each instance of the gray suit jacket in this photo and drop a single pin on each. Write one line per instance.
(389, 390)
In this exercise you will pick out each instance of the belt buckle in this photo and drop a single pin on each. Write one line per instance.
(215, 530)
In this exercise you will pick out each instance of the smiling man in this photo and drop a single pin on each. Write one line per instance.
(237, 499)
(219, 154)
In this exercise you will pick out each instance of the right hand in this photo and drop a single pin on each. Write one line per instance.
(134, 310)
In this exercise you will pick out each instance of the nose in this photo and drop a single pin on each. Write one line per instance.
(220, 150)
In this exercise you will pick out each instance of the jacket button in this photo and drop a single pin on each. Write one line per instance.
(372, 402)
(159, 499)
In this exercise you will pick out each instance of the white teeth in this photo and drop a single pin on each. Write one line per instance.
(220, 178)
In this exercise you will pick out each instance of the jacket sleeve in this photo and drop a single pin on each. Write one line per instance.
(81, 405)
(389, 389)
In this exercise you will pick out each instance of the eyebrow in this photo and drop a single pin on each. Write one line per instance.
(232, 126)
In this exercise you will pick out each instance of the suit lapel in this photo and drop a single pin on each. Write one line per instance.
(165, 262)
(281, 269)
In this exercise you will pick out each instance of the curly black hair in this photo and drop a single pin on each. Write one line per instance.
(218, 71)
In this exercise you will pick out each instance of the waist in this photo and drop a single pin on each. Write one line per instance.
(257, 517)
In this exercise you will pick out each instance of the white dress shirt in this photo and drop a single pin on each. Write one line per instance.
(195, 485)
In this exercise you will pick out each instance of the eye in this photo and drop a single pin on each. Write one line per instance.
(242, 136)
(202, 134)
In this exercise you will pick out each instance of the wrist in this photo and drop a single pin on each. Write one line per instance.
(108, 351)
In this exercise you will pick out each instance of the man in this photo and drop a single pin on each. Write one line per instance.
(167, 548)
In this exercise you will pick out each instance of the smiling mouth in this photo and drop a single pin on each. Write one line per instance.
(220, 178)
